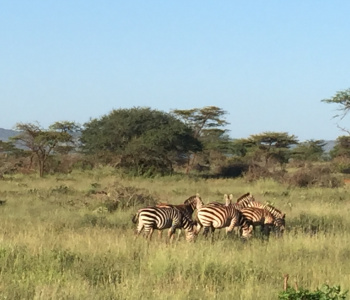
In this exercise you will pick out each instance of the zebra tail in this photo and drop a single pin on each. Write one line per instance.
(135, 218)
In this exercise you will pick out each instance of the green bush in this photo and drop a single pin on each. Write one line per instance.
(324, 293)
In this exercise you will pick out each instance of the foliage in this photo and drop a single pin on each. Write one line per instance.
(206, 123)
(342, 98)
(123, 197)
(146, 141)
(311, 150)
(42, 143)
(341, 148)
(266, 148)
(311, 176)
(326, 292)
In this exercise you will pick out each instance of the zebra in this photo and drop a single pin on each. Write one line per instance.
(150, 218)
(214, 216)
(279, 217)
(259, 216)
(187, 208)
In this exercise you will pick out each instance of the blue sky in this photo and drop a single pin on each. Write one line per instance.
(267, 63)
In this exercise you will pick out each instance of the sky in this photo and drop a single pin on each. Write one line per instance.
(268, 64)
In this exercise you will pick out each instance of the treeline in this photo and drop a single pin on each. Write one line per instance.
(149, 142)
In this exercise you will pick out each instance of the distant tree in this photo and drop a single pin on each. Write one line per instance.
(342, 98)
(311, 150)
(270, 147)
(145, 140)
(9, 148)
(341, 148)
(41, 142)
(206, 123)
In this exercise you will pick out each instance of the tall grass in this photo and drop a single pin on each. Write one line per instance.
(54, 244)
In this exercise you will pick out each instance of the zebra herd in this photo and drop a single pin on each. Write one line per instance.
(193, 215)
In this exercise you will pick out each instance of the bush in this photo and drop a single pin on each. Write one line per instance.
(324, 293)
(314, 176)
(124, 197)
(233, 170)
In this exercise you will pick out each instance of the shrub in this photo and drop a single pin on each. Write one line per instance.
(324, 293)
(314, 176)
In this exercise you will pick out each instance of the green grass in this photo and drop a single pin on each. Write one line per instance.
(56, 244)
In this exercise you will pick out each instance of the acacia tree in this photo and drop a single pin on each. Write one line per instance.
(145, 141)
(342, 98)
(206, 123)
(341, 148)
(270, 146)
(43, 142)
(311, 150)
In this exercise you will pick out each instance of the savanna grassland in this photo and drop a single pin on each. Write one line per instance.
(60, 239)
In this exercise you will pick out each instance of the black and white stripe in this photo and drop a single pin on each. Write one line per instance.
(160, 218)
(279, 217)
(213, 216)
(259, 217)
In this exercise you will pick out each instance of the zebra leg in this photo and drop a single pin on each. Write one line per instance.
(171, 233)
(138, 230)
(149, 234)
(206, 231)
(212, 234)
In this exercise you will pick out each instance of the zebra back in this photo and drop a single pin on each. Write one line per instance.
(258, 216)
(280, 218)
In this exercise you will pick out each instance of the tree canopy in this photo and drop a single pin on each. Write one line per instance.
(144, 139)
(42, 142)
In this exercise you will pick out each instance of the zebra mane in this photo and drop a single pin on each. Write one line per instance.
(274, 211)
(194, 201)
(245, 197)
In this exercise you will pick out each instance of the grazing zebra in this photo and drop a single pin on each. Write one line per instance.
(259, 216)
(244, 200)
(214, 216)
(279, 217)
(187, 208)
(150, 218)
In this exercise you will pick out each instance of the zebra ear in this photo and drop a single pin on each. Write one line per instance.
(227, 200)
(283, 216)
(230, 197)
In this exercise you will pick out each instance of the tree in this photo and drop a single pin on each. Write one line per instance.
(145, 140)
(270, 146)
(341, 148)
(205, 123)
(311, 150)
(342, 98)
(42, 143)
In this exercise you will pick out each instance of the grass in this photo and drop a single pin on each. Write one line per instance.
(56, 244)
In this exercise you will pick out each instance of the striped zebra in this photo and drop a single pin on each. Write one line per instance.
(187, 208)
(151, 218)
(279, 217)
(214, 216)
(259, 217)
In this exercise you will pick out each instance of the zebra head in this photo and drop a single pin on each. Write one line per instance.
(194, 201)
(280, 224)
(246, 230)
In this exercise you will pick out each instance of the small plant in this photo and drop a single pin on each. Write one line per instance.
(326, 292)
